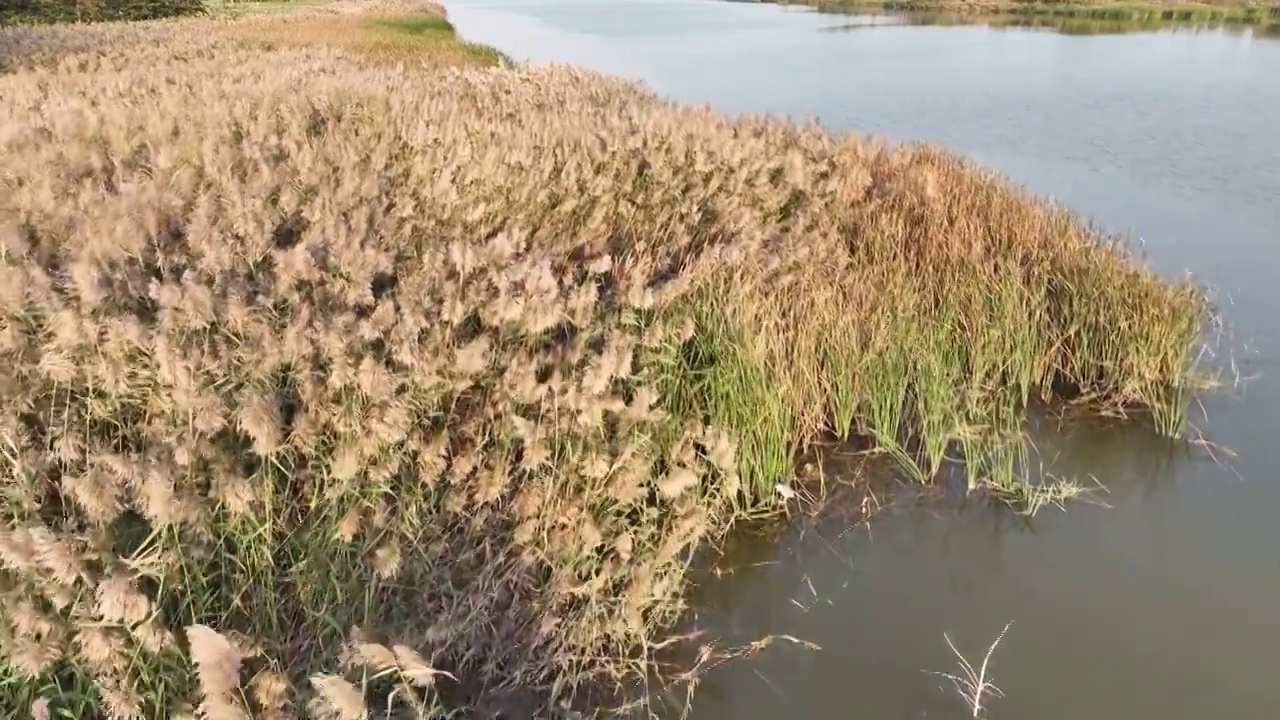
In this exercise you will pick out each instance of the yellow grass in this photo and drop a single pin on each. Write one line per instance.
(292, 343)
(407, 31)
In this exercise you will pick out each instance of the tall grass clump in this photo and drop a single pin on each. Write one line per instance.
(293, 343)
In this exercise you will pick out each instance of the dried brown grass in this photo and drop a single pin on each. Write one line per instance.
(292, 343)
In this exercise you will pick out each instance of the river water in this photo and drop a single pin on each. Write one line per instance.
(1164, 602)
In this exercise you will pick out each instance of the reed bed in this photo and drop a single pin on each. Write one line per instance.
(321, 377)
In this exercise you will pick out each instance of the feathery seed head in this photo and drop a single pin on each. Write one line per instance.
(413, 667)
(217, 663)
(377, 658)
(677, 482)
(99, 648)
(337, 699)
(260, 420)
(119, 702)
(386, 560)
(119, 601)
(272, 693)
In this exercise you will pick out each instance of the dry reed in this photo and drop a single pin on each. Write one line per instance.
(974, 685)
(292, 343)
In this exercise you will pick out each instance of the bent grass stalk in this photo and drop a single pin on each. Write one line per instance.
(974, 685)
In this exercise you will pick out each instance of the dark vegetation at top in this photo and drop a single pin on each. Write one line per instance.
(61, 11)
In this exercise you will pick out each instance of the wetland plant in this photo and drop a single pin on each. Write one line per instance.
(974, 685)
(292, 343)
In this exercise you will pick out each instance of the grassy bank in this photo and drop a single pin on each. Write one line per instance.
(301, 334)
(416, 33)
(1248, 12)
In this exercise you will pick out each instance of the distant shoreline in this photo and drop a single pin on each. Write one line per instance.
(1242, 11)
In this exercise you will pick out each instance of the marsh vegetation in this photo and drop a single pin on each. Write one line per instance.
(329, 365)
(1090, 16)
(1064, 25)
(56, 11)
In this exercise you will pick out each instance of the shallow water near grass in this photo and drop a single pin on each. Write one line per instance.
(1158, 605)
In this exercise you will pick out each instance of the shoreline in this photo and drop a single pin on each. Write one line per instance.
(1243, 12)
(474, 360)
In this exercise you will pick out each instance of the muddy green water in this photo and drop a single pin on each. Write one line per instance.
(1166, 603)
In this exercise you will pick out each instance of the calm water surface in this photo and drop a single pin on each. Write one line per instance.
(1166, 604)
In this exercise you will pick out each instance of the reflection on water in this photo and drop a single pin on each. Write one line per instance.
(878, 597)
(1159, 602)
